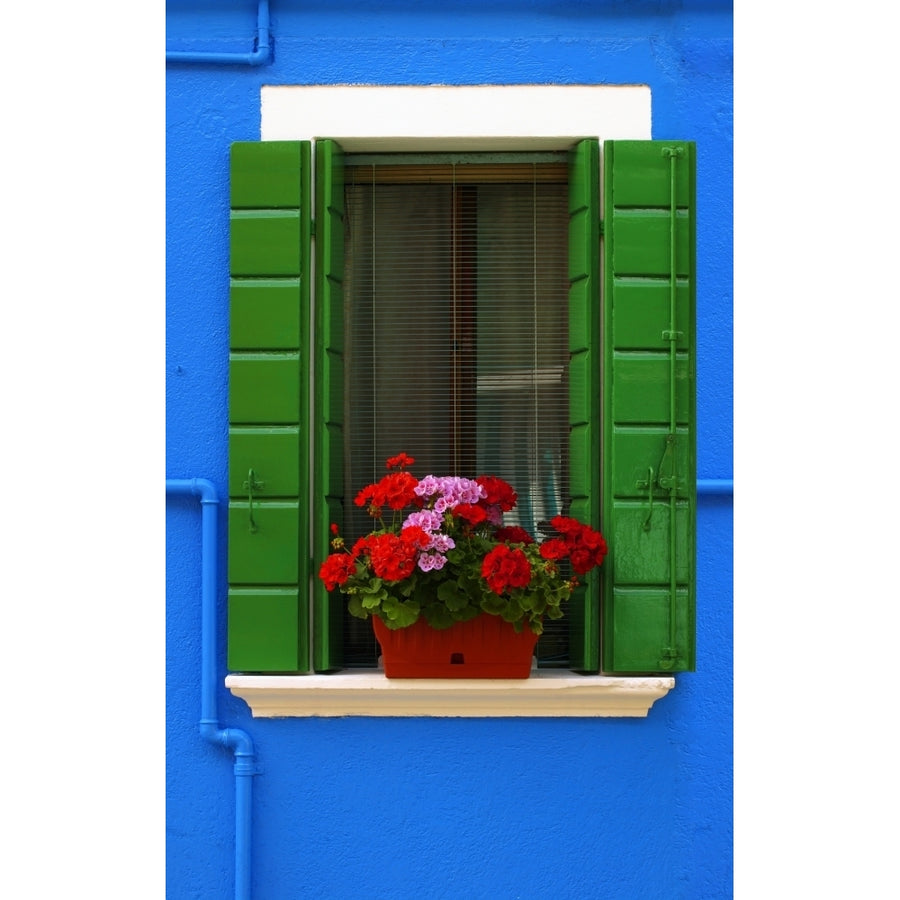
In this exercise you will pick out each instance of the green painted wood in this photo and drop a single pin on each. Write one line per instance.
(268, 175)
(642, 244)
(266, 242)
(268, 531)
(643, 557)
(264, 542)
(584, 387)
(328, 486)
(265, 313)
(637, 449)
(642, 615)
(640, 305)
(642, 183)
(265, 388)
(640, 626)
(642, 388)
(272, 452)
(265, 624)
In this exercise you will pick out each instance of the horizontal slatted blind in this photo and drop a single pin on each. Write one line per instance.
(456, 332)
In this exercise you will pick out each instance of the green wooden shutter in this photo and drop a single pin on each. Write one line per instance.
(649, 455)
(329, 396)
(268, 558)
(584, 387)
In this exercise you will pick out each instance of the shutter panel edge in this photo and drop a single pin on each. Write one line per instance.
(585, 394)
(328, 427)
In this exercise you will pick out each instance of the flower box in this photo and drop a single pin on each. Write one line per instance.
(466, 596)
(483, 647)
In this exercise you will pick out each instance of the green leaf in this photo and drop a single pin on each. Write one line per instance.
(373, 601)
(449, 594)
(437, 616)
(493, 603)
(467, 613)
(397, 614)
(354, 607)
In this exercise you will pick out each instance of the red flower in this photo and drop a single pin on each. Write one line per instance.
(336, 569)
(555, 548)
(586, 546)
(513, 534)
(471, 513)
(398, 489)
(415, 536)
(391, 557)
(366, 498)
(499, 492)
(400, 461)
(395, 490)
(565, 525)
(505, 567)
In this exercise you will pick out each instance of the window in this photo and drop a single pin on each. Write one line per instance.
(627, 368)
(456, 332)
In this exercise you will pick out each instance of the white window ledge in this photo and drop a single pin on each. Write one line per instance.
(369, 693)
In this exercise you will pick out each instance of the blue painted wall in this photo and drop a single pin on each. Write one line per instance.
(620, 809)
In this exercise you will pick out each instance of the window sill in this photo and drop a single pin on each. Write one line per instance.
(369, 693)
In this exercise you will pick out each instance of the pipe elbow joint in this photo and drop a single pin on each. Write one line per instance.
(239, 741)
(205, 490)
(236, 740)
(242, 747)
(261, 56)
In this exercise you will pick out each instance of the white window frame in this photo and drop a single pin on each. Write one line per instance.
(394, 118)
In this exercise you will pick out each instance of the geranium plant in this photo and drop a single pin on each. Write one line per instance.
(439, 549)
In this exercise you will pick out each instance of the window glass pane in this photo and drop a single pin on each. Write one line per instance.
(456, 341)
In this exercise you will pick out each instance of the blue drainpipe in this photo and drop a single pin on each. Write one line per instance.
(258, 57)
(235, 739)
(723, 487)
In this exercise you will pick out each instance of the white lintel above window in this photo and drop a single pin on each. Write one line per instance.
(394, 118)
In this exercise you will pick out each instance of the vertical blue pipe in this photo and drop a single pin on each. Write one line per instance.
(233, 738)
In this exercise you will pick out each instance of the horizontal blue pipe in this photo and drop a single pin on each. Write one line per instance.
(258, 57)
(716, 486)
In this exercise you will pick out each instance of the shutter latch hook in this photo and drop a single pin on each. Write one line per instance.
(252, 484)
(649, 485)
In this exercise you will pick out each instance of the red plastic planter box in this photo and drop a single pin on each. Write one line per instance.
(484, 647)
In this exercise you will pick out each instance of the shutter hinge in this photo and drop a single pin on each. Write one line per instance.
(312, 227)
(668, 658)
(601, 228)
(668, 478)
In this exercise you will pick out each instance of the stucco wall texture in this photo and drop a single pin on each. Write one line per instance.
(619, 809)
